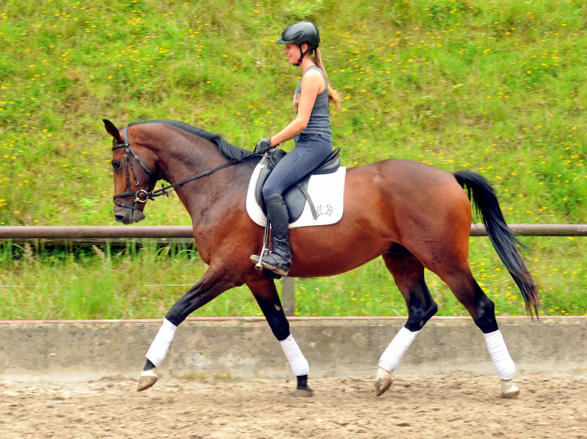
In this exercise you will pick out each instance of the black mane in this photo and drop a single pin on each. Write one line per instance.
(229, 150)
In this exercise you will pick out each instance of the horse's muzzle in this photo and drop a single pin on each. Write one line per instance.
(128, 216)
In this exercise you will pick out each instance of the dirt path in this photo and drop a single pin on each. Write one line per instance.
(442, 405)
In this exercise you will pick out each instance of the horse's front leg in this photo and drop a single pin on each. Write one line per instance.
(266, 294)
(213, 283)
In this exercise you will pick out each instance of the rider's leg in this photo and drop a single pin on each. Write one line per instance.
(280, 257)
(305, 157)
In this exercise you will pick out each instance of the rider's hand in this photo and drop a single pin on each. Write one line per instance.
(263, 146)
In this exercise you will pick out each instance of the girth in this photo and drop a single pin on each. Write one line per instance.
(296, 196)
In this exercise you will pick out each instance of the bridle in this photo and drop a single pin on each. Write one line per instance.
(142, 195)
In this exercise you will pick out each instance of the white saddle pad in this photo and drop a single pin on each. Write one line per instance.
(326, 192)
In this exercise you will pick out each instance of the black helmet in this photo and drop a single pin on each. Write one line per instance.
(299, 33)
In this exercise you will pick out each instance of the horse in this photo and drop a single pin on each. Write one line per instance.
(413, 215)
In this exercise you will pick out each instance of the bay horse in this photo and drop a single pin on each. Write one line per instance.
(413, 215)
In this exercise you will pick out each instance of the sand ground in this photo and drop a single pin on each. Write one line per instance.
(441, 405)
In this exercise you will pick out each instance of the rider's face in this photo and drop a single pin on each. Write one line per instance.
(292, 51)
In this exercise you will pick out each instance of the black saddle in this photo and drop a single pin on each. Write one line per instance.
(295, 197)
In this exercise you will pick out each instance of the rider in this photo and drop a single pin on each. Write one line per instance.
(310, 130)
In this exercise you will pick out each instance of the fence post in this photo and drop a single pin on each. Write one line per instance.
(289, 295)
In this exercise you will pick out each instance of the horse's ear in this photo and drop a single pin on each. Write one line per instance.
(112, 130)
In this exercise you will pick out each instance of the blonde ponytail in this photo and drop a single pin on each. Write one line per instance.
(333, 96)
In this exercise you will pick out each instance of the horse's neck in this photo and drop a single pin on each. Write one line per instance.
(180, 160)
(184, 159)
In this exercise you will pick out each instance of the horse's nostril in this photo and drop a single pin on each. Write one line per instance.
(118, 218)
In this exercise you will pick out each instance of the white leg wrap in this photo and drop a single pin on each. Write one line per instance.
(297, 361)
(160, 345)
(396, 349)
(504, 365)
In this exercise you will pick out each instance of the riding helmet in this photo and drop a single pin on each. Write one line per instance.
(299, 33)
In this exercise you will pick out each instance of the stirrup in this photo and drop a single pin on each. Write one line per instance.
(279, 268)
(255, 260)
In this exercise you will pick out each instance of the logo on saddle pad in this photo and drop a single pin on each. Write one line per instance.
(316, 200)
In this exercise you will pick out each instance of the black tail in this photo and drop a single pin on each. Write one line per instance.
(505, 242)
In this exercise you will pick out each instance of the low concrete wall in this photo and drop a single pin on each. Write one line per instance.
(245, 348)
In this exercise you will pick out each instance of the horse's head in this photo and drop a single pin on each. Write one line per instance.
(133, 176)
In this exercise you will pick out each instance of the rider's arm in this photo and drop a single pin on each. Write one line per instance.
(311, 84)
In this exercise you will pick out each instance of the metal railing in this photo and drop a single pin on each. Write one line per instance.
(69, 233)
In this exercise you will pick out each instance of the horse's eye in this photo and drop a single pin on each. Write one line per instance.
(116, 165)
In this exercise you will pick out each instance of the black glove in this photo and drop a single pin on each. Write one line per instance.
(263, 146)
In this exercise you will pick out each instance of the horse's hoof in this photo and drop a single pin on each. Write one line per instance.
(383, 382)
(304, 393)
(382, 385)
(511, 394)
(146, 380)
(509, 390)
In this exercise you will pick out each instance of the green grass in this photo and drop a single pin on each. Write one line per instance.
(497, 87)
(143, 281)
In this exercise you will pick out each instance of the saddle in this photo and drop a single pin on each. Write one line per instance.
(296, 196)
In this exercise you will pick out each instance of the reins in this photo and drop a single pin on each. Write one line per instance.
(142, 195)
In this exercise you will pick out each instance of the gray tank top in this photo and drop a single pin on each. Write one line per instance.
(319, 122)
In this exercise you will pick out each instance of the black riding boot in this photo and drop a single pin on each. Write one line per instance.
(279, 258)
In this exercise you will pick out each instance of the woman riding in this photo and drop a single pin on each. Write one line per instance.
(310, 130)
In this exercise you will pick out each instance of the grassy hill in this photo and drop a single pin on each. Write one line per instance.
(497, 87)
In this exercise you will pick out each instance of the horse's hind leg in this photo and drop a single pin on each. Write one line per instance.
(469, 293)
(408, 273)
(266, 294)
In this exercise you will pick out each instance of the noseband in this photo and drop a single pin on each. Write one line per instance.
(142, 195)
